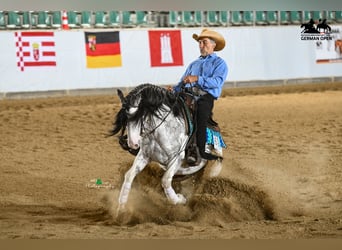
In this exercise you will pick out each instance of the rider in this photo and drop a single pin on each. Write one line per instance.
(205, 76)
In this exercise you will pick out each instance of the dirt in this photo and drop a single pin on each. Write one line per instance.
(281, 176)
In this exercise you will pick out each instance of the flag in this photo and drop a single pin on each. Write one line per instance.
(103, 49)
(165, 48)
(35, 49)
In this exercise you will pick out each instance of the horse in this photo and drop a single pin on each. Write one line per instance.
(157, 130)
(323, 27)
(309, 27)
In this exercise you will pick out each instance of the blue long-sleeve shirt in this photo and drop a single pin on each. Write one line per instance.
(211, 70)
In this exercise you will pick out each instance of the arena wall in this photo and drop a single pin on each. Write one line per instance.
(255, 55)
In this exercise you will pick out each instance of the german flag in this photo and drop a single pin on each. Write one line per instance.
(103, 49)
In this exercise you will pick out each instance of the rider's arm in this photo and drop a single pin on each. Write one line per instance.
(214, 79)
(180, 84)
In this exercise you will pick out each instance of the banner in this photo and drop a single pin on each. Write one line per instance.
(165, 48)
(103, 49)
(329, 51)
(35, 49)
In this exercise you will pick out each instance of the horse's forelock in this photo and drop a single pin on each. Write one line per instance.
(120, 122)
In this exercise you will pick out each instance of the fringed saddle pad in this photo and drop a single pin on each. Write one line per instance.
(215, 138)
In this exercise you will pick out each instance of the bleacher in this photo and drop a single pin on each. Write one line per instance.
(135, 19)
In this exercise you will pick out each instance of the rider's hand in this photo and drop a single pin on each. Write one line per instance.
(190, 79)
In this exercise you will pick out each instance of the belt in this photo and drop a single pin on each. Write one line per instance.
(198, 92)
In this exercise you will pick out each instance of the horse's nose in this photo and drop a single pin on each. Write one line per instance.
(133, 145)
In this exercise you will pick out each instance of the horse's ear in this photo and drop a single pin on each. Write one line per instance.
(121, 96)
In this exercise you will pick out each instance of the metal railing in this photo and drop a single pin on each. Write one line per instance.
(135, 19)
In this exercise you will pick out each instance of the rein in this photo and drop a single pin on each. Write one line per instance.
(154, 129)
(173, 157)
(182, 148)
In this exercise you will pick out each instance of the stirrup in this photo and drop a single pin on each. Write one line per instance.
(193, 156)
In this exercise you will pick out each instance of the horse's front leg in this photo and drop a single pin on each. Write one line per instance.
(167, 183)
(138, 165)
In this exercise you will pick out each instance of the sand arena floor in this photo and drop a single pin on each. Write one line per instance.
(281, 178)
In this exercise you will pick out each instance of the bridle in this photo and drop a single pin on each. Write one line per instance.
(142, 128)
(143, 133)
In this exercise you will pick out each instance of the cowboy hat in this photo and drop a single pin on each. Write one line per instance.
(219, 40)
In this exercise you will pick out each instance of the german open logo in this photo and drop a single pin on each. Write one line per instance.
(316, 30)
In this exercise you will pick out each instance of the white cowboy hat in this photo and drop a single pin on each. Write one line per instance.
(218, 38)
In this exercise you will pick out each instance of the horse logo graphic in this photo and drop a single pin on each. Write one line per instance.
(321, 28)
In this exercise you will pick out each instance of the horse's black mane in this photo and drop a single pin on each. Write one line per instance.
(152, 99)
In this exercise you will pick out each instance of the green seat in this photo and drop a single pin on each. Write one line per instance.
(198, 18)
(86, 19)
(114, 18)
(100, 19)
(28, 20)
(212, 18)
(73, 19)
(127, 19)
(271, 17)
(248, 17)
(43, 20)
(56, 21)
(141, 18)
(33, 19)
(284, 17)
(295, 17)
(317, 15)
(173, 19)
(13, 20)
(338, 16)
(331, 17)
(236, 18)
(306, 16)
(260, 18)
(223, 18)
(2, 20)
(187, 19)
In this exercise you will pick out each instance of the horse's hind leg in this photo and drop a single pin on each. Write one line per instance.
(167, 184)
(138, 165)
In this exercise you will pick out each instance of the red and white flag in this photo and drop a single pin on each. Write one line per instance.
(165, 48)
(35, 49)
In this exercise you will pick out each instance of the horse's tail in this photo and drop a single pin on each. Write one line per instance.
(191, 169)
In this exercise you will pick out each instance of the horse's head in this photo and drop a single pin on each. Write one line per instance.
(128, 118)
(141, 104)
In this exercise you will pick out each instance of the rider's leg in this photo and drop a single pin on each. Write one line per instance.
(205, 106)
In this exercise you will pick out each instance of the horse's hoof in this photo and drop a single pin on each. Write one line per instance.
(120, 210)
(123, 215)
(215, 169)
